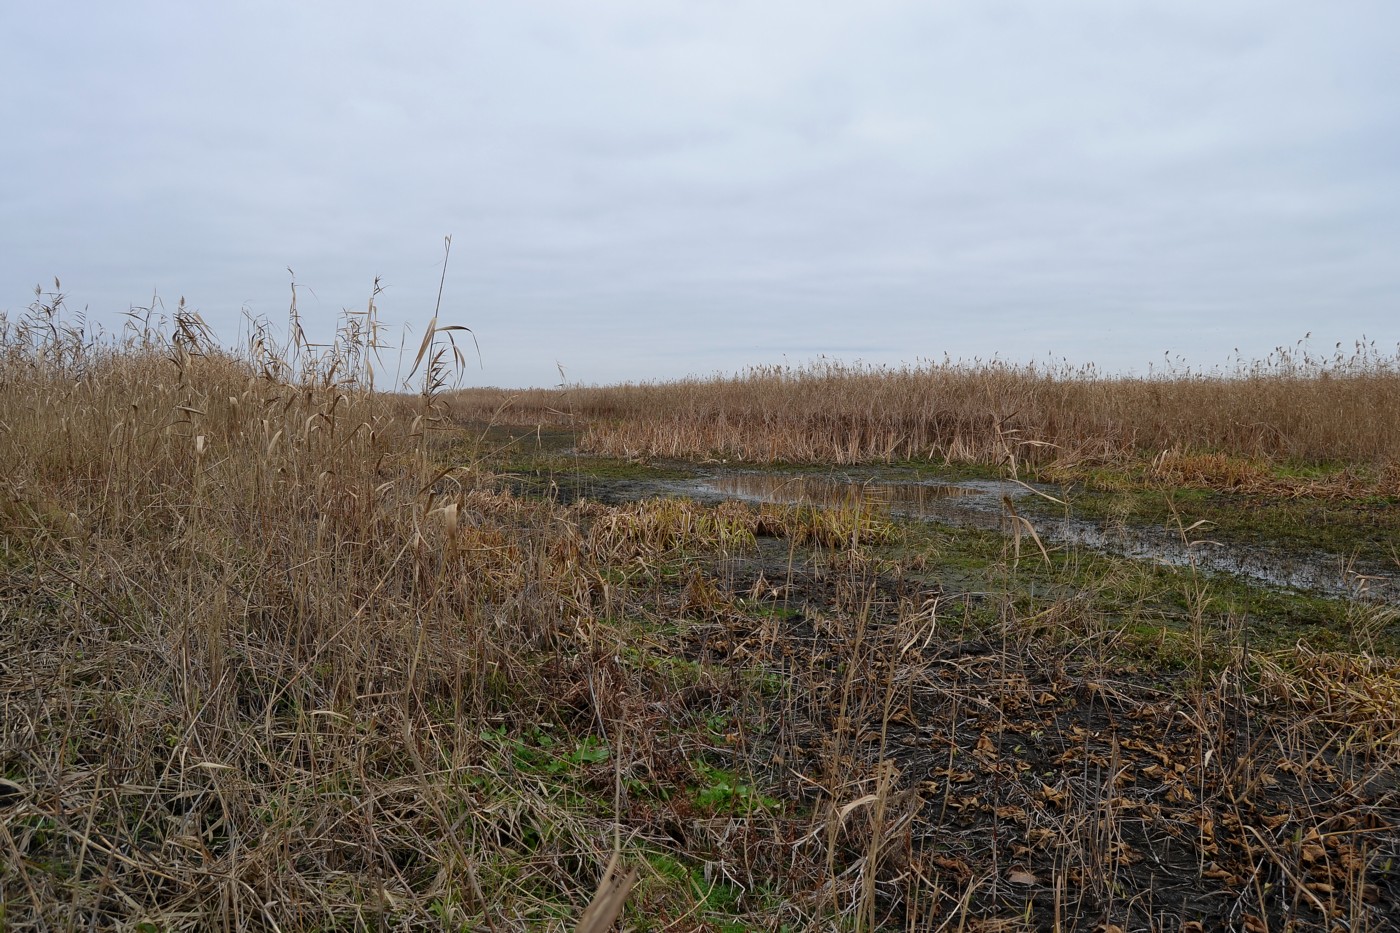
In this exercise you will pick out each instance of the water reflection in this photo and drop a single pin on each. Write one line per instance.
(980, 504)
(918, 499)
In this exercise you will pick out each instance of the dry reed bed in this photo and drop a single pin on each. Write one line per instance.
(1291, 407)
(264, 664)
(248, 649)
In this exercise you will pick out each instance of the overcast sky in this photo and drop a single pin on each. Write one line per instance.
(642, 190)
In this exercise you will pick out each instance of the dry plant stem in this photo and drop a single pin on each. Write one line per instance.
(608, 901)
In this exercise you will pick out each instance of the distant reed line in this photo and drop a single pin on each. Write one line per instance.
(1290, 407)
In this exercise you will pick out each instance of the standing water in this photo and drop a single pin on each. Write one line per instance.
(989, 504)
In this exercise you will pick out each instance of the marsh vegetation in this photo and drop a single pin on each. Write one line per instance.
(280, 650)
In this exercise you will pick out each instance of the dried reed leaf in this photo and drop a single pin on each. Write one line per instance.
(609, 899)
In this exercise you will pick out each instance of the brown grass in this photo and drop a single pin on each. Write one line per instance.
(252, 635)
(266, 663)
(1291, 407)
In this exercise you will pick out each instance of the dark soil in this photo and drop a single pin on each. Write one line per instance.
(1048, 784)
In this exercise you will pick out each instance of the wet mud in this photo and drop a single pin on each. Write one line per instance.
(1011, 508)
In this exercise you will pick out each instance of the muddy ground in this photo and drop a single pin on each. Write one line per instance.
(1365, 564)
(1057, 730)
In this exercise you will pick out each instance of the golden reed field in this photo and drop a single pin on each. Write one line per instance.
(1293, 406)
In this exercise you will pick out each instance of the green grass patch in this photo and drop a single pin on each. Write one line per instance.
(1366, 529)
(721, 791)
(1153, 606)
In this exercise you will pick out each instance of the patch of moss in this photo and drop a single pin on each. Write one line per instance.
(1151, 604)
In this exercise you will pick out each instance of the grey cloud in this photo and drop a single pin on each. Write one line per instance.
(650, 190)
